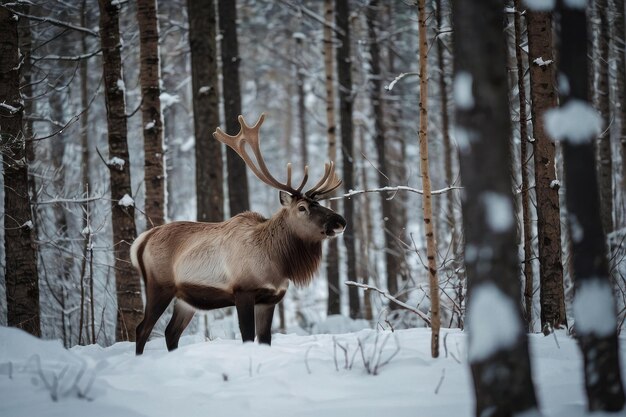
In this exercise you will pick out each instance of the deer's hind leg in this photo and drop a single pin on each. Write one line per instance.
(183, 313)
(157, 300)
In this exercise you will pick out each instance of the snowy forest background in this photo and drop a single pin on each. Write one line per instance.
(280, 70)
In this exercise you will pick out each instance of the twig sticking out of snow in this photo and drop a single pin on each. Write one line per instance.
(390, 298)
(306, 359)
(443, 375)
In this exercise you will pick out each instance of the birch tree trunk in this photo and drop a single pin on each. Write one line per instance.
(21, 277)
(526, 212)
(127, 285)
(597, 332)
(346, 99)
(431, 244)
(332, 257)
(206, 112)
(543, 93)
(499, 362)
(152, 118)
(237, 178)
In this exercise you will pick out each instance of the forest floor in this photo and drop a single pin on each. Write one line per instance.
(318, 375)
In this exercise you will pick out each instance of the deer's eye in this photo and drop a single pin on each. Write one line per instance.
(301, 208)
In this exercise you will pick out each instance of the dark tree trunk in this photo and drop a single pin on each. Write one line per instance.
(237, 179)
(150, 78)
(346, 101)
(598, 340)
(617, 41)
(543, 93)
(209, 166)
(332, 257)
(501, 371)
(392, 263)
(127, 285)
(21, 278)
(601, 103)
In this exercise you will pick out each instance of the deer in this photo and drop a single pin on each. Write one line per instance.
(246, 261)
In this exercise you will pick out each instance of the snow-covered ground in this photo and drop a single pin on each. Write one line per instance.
(318, 375)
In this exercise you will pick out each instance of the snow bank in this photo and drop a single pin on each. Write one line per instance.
(304, 376)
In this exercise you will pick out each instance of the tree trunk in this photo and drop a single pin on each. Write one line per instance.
(332, 257)
(150, 78)
(237, 179)
(209, 165)
(431, 243)
(543, 93)
(617, 42)
(526, 213)
(127, 285)
(21, 278)
(392, 263)
(500, 364)
(346, 99)
(601, 103)
(597, 334)
(304, 153)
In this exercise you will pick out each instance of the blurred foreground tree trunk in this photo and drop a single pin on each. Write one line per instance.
(594, 302)
(499, 360)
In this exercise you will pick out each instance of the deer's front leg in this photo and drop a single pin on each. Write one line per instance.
(264, 314)
(244, 302)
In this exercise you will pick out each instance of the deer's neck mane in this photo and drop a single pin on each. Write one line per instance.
(298, 259)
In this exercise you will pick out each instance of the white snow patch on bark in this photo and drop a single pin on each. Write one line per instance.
(541, 62)
(150, 125)
(28, 224)
(555, 184)
(594, 308)
(576, 122)
(120, 85)
(492, 322)
(204, 89)
(540, 5)
(498, 211)
(463, 96)
(116, 162)
(126, 201)
(576, 229)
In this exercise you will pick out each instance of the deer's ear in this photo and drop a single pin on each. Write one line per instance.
(285, 198)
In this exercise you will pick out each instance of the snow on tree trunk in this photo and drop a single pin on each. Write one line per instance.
(21, 278)
(498, 349)
(206, 112)
(127, 285)
(594, 303)
(543, 94)
(152, 118)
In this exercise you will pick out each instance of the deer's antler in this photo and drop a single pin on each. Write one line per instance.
(250, 135)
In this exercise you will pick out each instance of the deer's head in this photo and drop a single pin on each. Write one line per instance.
(303, 213)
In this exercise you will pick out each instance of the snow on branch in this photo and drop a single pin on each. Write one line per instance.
(394, 189)
(52, 21)
(390, 298)
(398, 78)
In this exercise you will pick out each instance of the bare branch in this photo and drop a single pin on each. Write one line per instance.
(390, 298)
(52, 21)
(394, 189)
